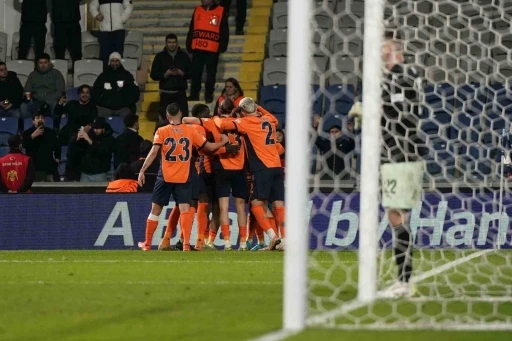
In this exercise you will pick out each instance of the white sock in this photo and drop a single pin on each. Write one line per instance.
(227, 242)
(271, 233)
(243, 244)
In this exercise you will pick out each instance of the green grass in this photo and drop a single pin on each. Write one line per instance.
(131, 295)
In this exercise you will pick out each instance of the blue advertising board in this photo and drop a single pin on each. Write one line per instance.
(117, 221)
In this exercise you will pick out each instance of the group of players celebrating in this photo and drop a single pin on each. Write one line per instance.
(204, 160)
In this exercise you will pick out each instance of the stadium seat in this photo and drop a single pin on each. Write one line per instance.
(319, 68)
(323, 16)
(16, 46)
(3, 46)
(475, 162)
(27, 123)
(496, 121)
(274, 71)
(8, 127)
(22, 67)
(278, 42)
(349, 43)
(131, 66)
(343, 70)
(90, 46)
(339, 99)
(281, 120)
(86, 71)
(63, 122)
(465, 93)
(117, 124)
(133, 46)
(62, 66)
(280, 15)
(354, 7)
(273, 98)
(440, 95)
(441, 159)
(63, 160)
(4, 151)
(331, 119)
(319, 99)
(51, 51)
(72, 94)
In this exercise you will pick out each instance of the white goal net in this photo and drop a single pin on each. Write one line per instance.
(460, 230)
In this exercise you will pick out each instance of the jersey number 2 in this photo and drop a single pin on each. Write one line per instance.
(184, 156)
(268, 127)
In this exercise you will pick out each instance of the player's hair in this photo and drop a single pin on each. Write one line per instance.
(200, 110)
(171, 36)
(173, 109)
(14, 141)
(130, 120)
(226, 107)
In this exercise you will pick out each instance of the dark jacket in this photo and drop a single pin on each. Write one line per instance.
(43, 150)
(224, 33)
(34, 11)
(127, 147)
(335, 159)
(116, 97)
(92, 159)
(65, 11)
(165, 61)
(76, 113)
(16, 172)
(150, 174)
(11, 89)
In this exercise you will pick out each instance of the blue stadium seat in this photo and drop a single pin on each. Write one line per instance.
(281, 119)
(475, 161)
(8, 127)
(48, 122)
(329, 120)
(440, 95)
(496, 121)
(441, 159)
(466, 93)
(63, 160)
(4, 151)
(319, 98)
(339, 99)
(117, 124)
(273, 98)
(63, 122)
(72, 94)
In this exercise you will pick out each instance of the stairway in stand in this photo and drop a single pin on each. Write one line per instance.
(243, 59)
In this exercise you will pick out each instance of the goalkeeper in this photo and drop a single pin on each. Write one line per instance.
(402, 147)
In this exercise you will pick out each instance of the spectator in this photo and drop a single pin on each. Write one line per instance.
(98, 146)
(241, 13)
(125, 180)
(11, 92)
(76, 111)
(152, 172)
(44, 85)
(334, 150)
(115, 92)
(42, 146)
(33, 25)
(112, 15)
(67, 30)
(76, 149)
(232, 90)
(171, 68)
(281, 139)
(128, 143)
(16, 169)
(207, 38)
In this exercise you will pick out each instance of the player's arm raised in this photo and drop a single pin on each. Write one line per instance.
(229, 124)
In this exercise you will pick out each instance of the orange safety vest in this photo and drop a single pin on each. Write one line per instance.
(122, 186)
(206, 35)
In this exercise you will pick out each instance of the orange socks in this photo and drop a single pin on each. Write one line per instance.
(186, 219)
(211, 236)
(151, 226)
(259, 214)
(174, 217)
(202, 223)
(225, 231)
(260, 235)
(242, 231)
(279, 215)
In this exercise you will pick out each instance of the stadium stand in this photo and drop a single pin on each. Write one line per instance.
(51, 51)
(117, 125)
(22, 67)
(15, 47)
(72, 94)
(133, 47)
(90, 46)
(27, 123)
(130, 65)
(86, 71)
(8, 127)
(63, 160)
(62, 66)
(4, 151)
(3, 46)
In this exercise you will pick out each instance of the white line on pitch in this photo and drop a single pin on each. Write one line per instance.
(139, 283)
(160, 261)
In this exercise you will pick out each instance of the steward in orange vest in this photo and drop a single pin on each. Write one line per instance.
(208, 36)
(17, 170)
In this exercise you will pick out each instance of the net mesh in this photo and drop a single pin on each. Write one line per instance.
(462, 259)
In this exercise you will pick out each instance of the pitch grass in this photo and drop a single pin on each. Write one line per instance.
(131, 295)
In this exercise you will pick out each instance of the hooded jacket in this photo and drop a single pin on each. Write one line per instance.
(115, 13)
(95, 158)
(115, 89)
(48, 86)
(34, 11)
(165, 61)
(65, 11)
(11, 89)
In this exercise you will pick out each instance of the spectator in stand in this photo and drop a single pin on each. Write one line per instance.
(207, 38)
(334, 150)
(76, 111)
(33, 25)
(241, 13)
(128, 143)
(16, 169)
(281, 139)
(43, 147)
(44, 85)
(232, 90)
(98, 146)
(115, 91)
(171, 68)
(152, 171)
(67, 30)
(124, 181)
(11, 93)
(76, 149)
(112, 15)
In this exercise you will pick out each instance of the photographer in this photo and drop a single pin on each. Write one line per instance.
(42, 146)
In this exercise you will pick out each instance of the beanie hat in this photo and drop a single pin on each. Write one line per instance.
(114, 55)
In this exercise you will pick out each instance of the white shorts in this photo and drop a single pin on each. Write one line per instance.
(402, 184)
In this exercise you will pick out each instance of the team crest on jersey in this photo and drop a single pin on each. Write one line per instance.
(12, 175)
(214, 20)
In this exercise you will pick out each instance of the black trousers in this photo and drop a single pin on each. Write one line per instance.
(241, 12)
(179, 97)
(111, 42)
(68, 36)
(199, 60)
(27, 31)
